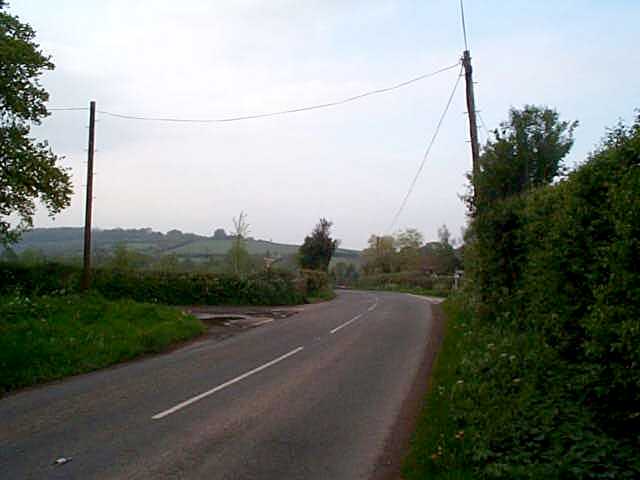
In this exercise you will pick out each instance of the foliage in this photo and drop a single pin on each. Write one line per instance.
(273, 287)
(405, 252)
(411, 282)
(555, 270)
(408, 243)
(502, 406)
(28, 169)
(314, 280)
(379, 256)
(526, 152)
(318, 248)
(344, 273)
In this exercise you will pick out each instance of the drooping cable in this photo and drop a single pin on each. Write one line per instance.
(425, 156)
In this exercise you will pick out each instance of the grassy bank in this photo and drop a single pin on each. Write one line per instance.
(503, 404)
(49, 337)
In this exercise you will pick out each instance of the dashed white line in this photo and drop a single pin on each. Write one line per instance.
(345, 324)
(224, 385)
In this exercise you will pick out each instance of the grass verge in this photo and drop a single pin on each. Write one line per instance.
(50, 337)
(503, 405)
(322, 295)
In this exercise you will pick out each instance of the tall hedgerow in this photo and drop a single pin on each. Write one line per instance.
(564, 261)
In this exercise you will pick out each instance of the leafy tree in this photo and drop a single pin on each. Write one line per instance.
(526, 152)
(440, 257)
(408, 243)
(28, 169)
(220, 234)
(317, 249)
(380, 255)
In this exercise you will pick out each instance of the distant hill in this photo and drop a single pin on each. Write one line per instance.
(68, 241)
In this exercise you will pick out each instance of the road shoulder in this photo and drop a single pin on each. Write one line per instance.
(389, 463)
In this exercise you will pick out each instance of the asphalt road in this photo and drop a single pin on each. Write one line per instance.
(313, 396)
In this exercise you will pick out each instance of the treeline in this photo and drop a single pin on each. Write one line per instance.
(405, 262)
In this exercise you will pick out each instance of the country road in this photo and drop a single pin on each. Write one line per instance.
(317, 395)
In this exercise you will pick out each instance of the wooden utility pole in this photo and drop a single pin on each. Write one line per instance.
(86, 273)
(473, 124)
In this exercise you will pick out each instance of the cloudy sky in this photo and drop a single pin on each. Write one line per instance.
(352, 163)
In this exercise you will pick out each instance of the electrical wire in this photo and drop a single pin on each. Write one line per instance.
(426, 154)
(269, 114)
(484, 126)
(60, 109)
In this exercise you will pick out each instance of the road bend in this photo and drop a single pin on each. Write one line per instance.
(311, 396)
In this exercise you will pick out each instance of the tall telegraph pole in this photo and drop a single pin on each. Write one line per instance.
(471, 107)
(86, 273)
(473, 124)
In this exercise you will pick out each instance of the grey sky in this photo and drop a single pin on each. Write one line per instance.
(352, 163)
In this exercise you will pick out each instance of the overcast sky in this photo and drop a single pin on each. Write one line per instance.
(352, 163)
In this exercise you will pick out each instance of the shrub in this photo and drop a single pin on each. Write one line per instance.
(264, 288)
(561, 262)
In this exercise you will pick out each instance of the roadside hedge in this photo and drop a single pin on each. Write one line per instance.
(406, 280)
(263, 288)
(563, 262)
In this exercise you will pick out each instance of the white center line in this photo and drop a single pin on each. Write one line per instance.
(345, 324)
(188, 402)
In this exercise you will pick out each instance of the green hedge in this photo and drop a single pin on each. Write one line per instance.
(563, 262)
(503, 405)
(406, 280)
(264, 288)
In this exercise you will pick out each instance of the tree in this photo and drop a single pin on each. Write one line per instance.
(220, 234)
(317, 249)
(408, 243)
(526, 152)
(379, 257)
(440, 257)
(238, 254)
(29, 169)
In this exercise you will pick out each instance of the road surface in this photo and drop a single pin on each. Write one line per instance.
(313, 396)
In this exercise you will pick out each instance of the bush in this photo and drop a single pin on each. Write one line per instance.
(407, 281)
(503, 405)
(560, 264)
(264, 288)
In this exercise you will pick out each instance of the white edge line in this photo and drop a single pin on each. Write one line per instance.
(188, 402)
(263, 322)
(345, 324)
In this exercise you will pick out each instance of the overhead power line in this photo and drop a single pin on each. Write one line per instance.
(269, 114)
(426, 154)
